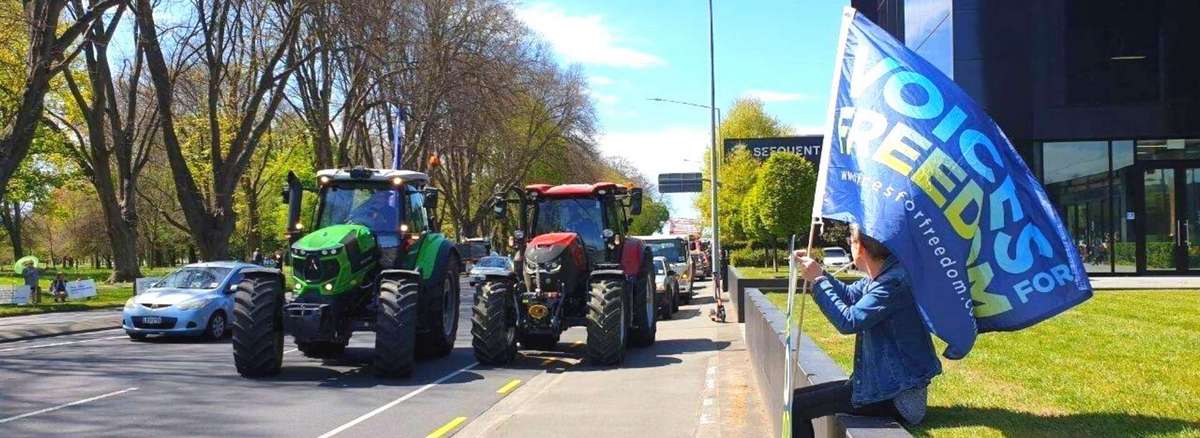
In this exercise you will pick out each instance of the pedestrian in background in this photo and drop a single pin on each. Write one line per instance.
(894, 359)
(256, 257)
(58, 288)
(31, 279)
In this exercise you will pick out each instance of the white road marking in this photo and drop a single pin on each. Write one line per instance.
(395, 402)
(289, 351)
(79, 402)
(709, 410)
(60, 343)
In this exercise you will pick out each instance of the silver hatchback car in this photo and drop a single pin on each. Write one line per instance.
(194, 300)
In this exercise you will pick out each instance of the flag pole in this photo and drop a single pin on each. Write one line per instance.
(791, 352)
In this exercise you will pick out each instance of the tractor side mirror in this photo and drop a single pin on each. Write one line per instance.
(294, 193)
(635, 201)
(431, 199)
(499, 207)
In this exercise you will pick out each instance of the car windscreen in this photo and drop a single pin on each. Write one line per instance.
(195, 278)
(574, 215)
(672, 250)
(834, 252)
(492, 262)
(373, 207)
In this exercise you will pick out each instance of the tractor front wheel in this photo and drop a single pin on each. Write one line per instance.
(493, 330)
(438, 341)
(258, 326)
(396, 327)
(645, 315)
(607, 325)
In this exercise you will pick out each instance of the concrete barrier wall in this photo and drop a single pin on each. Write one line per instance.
(737, 291)
(765, 338)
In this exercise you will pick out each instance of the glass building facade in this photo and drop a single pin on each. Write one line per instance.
(1101, 99)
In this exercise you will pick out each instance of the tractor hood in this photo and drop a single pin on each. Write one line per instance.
(548, 247)
(332, 237)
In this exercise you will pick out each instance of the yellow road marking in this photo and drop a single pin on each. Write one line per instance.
(508, 387)
(447, 428)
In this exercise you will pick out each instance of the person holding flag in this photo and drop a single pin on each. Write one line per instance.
(894, 359)
(956, 235)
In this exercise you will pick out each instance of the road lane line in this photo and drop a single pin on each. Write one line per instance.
(508, 387)
(289, 351)
(447, 428)
(30, 347)
(79, 402)
(395, 402)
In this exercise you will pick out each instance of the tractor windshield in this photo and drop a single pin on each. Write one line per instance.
(581, 216)
(375, 208)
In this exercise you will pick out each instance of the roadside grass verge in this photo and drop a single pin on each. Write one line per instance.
(1121, 364)
(754, 272)
(108, 295)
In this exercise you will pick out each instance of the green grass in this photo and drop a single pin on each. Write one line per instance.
(754, 272)
(1125, 363)
(107, 295)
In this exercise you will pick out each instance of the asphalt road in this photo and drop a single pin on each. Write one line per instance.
(103, 384)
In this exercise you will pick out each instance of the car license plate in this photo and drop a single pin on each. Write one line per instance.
(152, 320)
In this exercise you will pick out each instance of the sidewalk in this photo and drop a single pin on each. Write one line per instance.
(15, 328)
(694, 381)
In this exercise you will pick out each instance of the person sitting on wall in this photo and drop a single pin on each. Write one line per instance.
(894, 360)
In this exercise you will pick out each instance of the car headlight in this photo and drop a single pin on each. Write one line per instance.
(193, 304)
(130, 305)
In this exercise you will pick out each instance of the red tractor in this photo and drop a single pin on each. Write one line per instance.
(574, 266)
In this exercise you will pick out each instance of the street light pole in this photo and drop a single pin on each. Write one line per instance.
(712, 103)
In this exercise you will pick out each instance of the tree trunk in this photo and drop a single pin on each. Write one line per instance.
(12, 224)
(253, 236)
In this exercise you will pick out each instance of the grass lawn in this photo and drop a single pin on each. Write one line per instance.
(107, 295)
(1125, 363)
(768, 273)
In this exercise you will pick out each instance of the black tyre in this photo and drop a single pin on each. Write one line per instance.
(216, 327)
(321, 350)
(539, 342)
(258, 326)
(666, 303)
(493, 329)
(396, 327)
(136, 336)
(438, 341)
(676, 297)
(608, 324)
(645, 316)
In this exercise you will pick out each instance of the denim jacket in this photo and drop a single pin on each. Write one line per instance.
(893, 350)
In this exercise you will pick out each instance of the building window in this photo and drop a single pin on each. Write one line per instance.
(929, 31)
(1077, 179)
(1172, 149)
(1112, 51)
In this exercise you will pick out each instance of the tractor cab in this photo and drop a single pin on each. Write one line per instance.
(598, 215)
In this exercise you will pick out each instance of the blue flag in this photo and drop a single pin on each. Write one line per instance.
(921, 167)
(398, 137)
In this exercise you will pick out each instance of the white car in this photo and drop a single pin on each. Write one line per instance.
(836, 258)
(492, 266)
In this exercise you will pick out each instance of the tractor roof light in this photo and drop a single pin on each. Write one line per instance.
(608, 233)
(324, 180)
(404, 228)
(328, 286)
(397, 181)
(299, 226)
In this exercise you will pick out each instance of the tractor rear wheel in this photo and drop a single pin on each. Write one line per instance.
(396, 327)
(645, 315)
(607, 325)
(493, 330)
(258, 326)
(321, 350)
(438, 341)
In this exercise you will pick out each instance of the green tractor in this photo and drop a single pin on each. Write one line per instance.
(374, 261)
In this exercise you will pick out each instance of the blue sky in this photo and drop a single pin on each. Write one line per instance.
(780, 51)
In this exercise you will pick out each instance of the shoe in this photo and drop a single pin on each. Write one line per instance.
(911, 404)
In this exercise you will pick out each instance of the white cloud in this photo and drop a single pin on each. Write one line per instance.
(606, 99)
(600, 81)
(775, 96)
(584, 39)
(672, 149)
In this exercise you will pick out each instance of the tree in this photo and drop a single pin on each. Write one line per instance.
(243, 67)
(746, 119)
(783, 196)
(49, 52)
(114, 137)
(654, 215)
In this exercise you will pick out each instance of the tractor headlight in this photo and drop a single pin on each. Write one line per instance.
(193, 304)
(552, 267)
